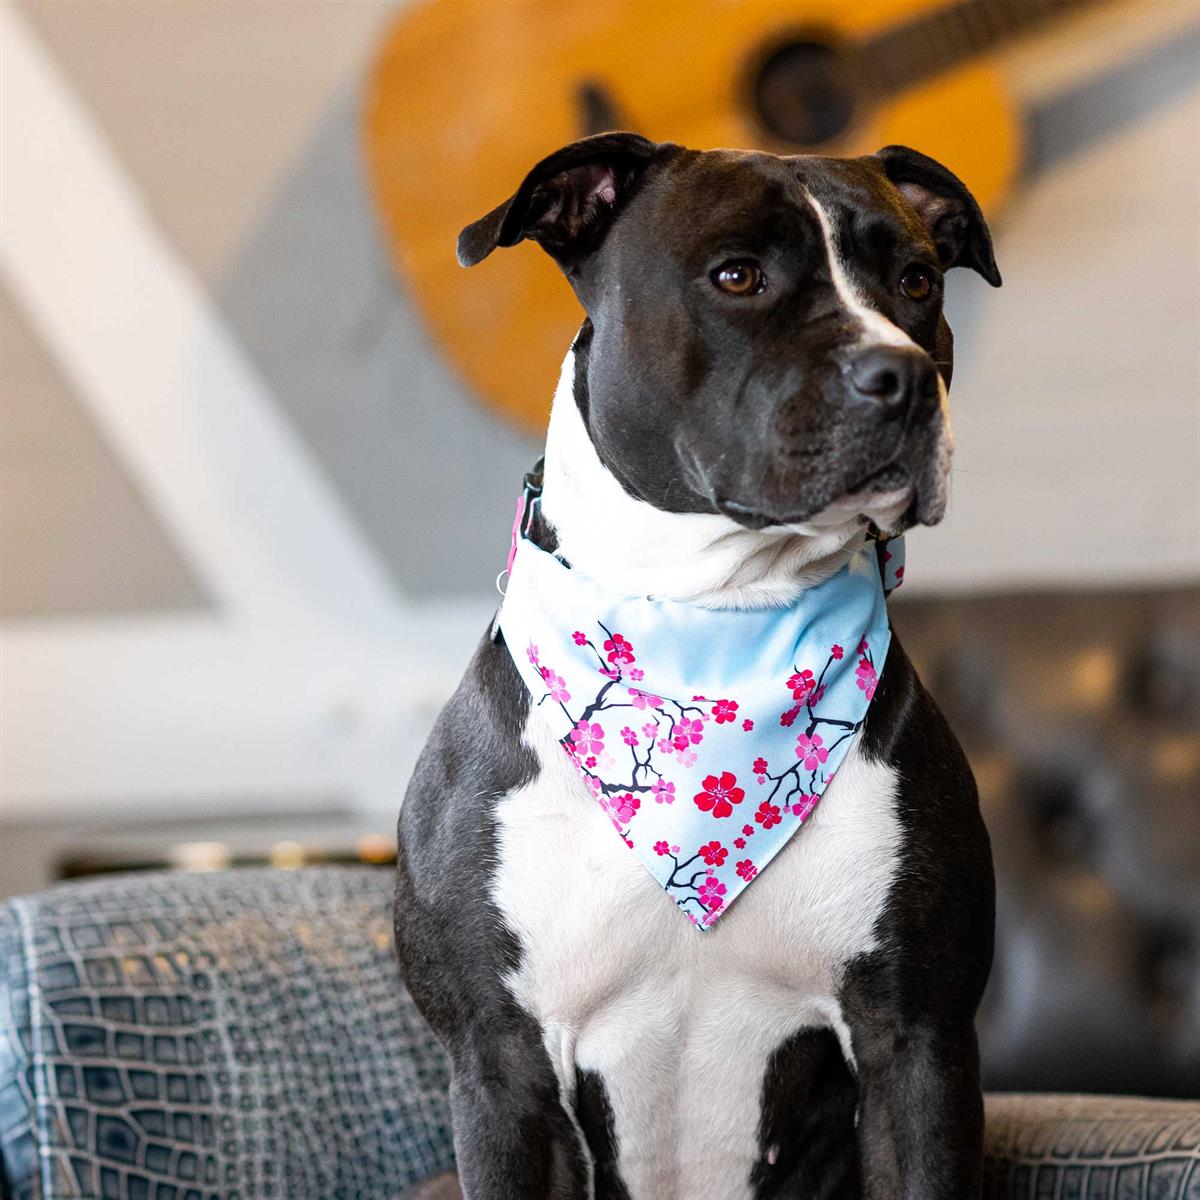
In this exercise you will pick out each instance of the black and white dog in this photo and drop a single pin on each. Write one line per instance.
(760, 379)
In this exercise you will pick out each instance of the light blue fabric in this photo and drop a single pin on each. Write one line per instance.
(708, 736)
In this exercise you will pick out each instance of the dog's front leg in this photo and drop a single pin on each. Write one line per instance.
(920, 1123)
(512, 1135)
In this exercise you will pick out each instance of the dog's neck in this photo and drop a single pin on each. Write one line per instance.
(705, 558)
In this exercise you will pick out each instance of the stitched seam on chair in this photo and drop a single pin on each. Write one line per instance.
(41, 1100)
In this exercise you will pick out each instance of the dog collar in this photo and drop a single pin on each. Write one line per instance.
(708, 737)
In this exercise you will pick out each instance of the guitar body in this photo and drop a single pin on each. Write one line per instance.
(465, 96)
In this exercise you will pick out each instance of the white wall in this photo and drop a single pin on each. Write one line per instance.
(311, 667)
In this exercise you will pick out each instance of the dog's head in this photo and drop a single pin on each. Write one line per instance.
(766, 336)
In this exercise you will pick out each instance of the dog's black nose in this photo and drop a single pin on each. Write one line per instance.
(888, 381)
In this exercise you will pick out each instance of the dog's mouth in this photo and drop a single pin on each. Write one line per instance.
(889, 478)
(886, 497)
(906, 487)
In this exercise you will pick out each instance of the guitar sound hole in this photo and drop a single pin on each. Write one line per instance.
(803, 92)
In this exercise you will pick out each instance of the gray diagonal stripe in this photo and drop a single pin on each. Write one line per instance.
(431, 476)
(75, 535)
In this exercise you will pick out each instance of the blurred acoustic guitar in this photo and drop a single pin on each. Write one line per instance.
(466, 94)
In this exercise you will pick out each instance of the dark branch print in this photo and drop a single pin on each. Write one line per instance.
(626, 741)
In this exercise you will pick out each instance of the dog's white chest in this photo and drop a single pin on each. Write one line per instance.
(678, 1023)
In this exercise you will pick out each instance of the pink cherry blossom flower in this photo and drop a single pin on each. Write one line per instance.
(740, 843)
(759, 766)
(720, 794)
(725, 711)
(629, 737)
(661, 848)
(590, 761)
(866, 678)
(714, 854)
(637, 674)
(532, 651)
(557, 685)
(787, 718)
(712, 892)
(811, 750)
(663, 791)
(649, 730)
(588, 738)
(768, 814)
(664, 744)
(863, 646)
(644, 700)
(619, 650)
(803, 805)
(624, 807)
(687, 732)
(747, 724)
(674, 849)
(609, 672)
(747, 870)
(801, 684)
(748, 830)
(580, 637)
(836, 651)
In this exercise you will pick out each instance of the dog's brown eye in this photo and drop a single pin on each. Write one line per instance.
(916, 283)
(739, 278)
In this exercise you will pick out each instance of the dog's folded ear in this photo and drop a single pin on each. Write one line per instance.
(566, 202)
(946, 208)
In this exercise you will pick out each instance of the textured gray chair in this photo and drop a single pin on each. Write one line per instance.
(237, 1035)
(245, 1035)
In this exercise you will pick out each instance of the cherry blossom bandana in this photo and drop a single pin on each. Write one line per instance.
(707, 736)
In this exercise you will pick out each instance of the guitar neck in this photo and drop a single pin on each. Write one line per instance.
(908, 54)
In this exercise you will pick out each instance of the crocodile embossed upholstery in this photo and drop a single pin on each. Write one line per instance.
(1092, 1148)
(245, 1035)
(188, 1037)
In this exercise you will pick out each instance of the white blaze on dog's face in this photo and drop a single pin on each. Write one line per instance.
(885, 506)
(765, 337)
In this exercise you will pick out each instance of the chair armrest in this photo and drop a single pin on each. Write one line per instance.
(1079, 1147)
(18, 1140)
(204, 1035)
